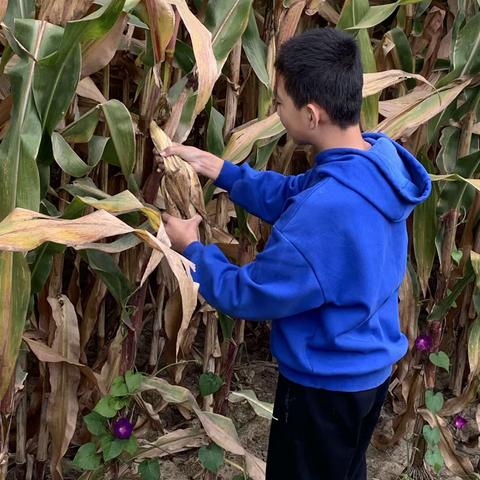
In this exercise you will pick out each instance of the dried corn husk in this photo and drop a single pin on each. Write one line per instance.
(180, 186)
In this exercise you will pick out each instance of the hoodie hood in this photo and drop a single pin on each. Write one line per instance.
(387, 175)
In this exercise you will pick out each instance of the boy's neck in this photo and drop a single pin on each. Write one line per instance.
(332, 136)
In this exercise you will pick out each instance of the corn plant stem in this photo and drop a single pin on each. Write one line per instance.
(419, 444)
(155, 350)
(467, 314)
(233, 345)
(104, 173)
(138, 300)
(42, 448)
(460, 360)
(464, 145)
(211, 336)
(5, 425)
(435, 328)
(21, 421)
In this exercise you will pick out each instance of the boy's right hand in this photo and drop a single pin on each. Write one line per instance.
(204, 163)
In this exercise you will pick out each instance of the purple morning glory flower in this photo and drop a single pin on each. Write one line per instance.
(459, 421)
(424, 343)
(122, 428)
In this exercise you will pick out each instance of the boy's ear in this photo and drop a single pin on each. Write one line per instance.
(316, 115)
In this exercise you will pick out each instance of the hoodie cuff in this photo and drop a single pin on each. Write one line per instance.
(191, 249)
(228, 175)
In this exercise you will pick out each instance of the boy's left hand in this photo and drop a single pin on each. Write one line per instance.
(182, 232)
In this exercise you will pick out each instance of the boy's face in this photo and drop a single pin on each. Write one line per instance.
(295, 120)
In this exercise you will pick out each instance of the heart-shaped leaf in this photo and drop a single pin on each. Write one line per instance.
(432, 435)
(87, 457)
(434, 458)
(440, 359)
(209, 383)
(434, 402)
(95, 423)
(133, 381)
(106, 407)
(149, 469)
(212, 457)
(119, 387)
(457, 256)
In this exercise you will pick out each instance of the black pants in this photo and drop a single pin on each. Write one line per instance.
(321, 434)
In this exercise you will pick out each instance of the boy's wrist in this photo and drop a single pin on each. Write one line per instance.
(211, 166)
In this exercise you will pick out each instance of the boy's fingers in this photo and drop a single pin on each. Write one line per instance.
(175, 149)
(166, 217)
(197, 219)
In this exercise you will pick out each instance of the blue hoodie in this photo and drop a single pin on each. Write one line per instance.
(330, 272)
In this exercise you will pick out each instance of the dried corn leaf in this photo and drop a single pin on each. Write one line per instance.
(46, 354)
(161, 21)
(175, 442)
(64, 380)
(457, 404)
(324, 9)
(111, 368)
(60, 12)
(474, 342)
(376, 82)
(86, 88)
(98, 54)
(242, 141)
(289, 21)
(262, 409)
(408, 121)
(203, 50)
(3, 9)
(219, 428)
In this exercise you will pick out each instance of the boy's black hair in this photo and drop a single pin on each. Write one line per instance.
(324, 66)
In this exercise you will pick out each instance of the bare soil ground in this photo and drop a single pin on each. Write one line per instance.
(261, 376)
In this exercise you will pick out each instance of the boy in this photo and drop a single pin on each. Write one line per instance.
(329, 275)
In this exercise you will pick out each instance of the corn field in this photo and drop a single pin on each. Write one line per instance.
(101, 325)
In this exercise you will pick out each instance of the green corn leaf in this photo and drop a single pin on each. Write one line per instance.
(19, 9)
(20, 187)
(424, 232)
(378, 13)
(105, 267)
(474, 348)
(58, 74)
(120, 124)
(67, 159)
(215, 143)
(226, 20)
(466, 52)
(352, 10)
(82, 130)
(256, 50)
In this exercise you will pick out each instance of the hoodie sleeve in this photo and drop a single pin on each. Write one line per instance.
(279, 283)
(261, 193)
